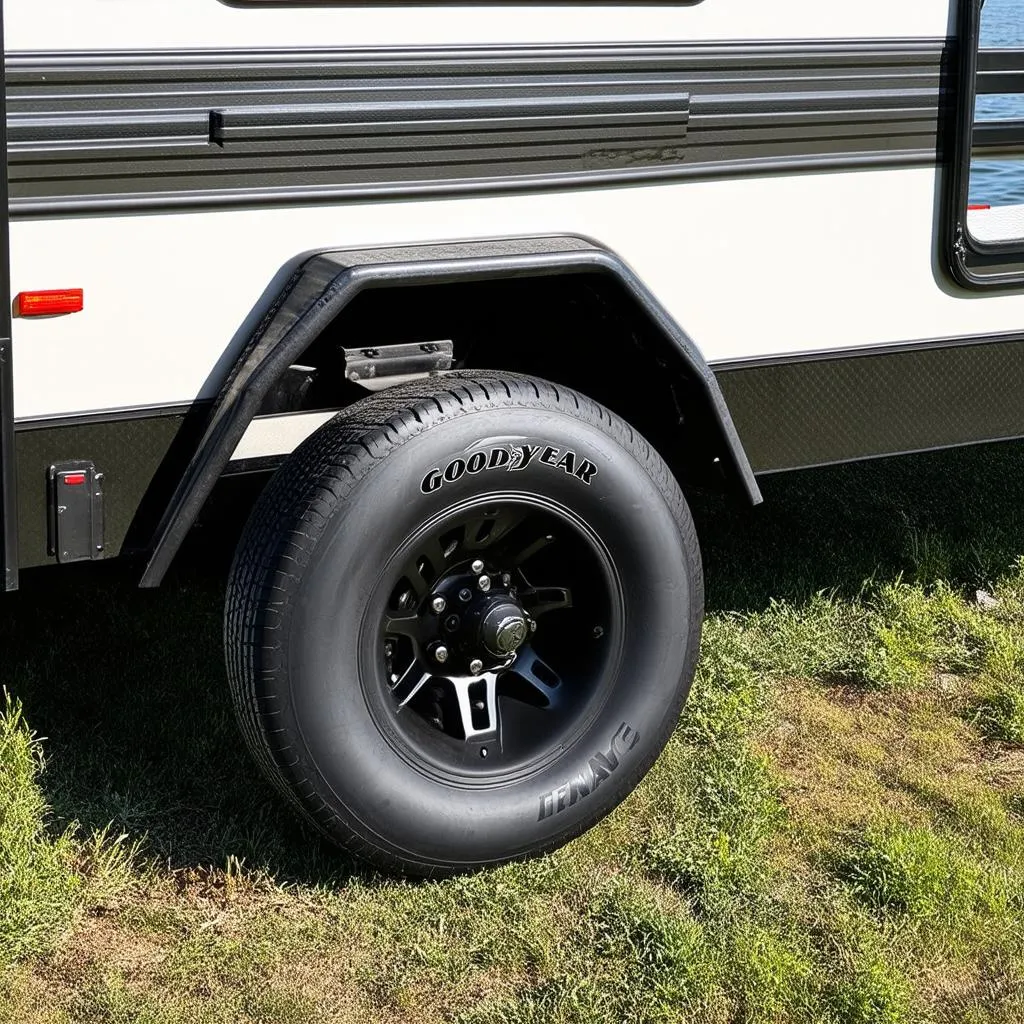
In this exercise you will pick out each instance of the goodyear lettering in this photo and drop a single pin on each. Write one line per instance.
(599, 768)
(511, 459)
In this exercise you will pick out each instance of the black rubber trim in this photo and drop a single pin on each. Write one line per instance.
(973, 263)
(257, 464)
(327, 283)
(8, 470)
(99, 131)
(821, 408)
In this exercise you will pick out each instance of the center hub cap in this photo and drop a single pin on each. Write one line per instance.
(504, 629)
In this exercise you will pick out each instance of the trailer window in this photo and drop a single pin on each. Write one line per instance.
(988, 214)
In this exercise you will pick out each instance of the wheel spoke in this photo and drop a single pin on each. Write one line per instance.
(487, 530)
(539, 601)
(478, 705)
(434, 554)
(423, 568)
(411, 681)
(402, 625)
(417, 586)
(536, 672)
(529, 549)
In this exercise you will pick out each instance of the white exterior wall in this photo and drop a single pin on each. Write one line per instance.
(168, 24)
(748, 266)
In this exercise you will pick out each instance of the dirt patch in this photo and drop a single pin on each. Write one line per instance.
(846, 754)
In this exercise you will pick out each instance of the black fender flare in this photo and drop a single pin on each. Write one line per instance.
(327, 281)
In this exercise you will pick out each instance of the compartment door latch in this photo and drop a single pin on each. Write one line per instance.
(75, 511)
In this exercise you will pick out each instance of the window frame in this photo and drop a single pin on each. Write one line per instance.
(974, 263)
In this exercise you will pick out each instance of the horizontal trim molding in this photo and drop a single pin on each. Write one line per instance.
(111, 415)
(97, 131)
(1000, 71)
(816, 409)
(862, 351)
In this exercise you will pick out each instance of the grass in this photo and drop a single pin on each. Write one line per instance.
(834, 834)
(46, 879)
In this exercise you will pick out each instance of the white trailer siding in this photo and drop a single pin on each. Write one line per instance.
(170, 24)
(750, 265)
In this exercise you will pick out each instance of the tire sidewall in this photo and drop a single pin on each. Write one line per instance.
(357, 770)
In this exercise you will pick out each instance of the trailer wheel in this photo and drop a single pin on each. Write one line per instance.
(462, 621)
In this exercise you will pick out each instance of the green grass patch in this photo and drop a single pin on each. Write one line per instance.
(919, 873)
(999, 713)
(46, 878)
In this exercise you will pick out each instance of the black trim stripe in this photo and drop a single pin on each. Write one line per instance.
(107, 131)
(825, 408)
(859, 351)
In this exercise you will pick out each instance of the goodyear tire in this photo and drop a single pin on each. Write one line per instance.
(462, 621)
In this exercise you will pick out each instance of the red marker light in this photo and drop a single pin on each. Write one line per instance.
(74, 479)
(49, 303)
(979, 206)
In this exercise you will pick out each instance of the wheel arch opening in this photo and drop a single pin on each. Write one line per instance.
(581, 330)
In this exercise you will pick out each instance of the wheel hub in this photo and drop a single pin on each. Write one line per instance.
(481, 624)
(504, 628)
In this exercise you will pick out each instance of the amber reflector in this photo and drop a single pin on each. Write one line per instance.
(49, 303)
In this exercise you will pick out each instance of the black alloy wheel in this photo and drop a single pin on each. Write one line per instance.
(489, 672)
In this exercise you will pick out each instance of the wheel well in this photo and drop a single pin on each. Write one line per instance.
(581, 330)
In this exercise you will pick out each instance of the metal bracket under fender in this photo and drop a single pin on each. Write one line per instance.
(328, 281)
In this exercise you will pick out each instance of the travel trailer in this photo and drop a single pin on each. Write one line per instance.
(485, 291)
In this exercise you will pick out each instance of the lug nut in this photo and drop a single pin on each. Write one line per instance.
(438, 604)
(441, 654)
(465, 595)
(484, 583)
(479, 705)
(477, 567)
(476, 666)
(506, 579)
